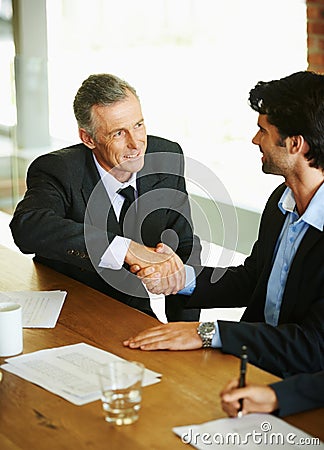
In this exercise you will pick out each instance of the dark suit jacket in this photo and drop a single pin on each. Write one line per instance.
(66, 202)
(296, 344)
(300, 393)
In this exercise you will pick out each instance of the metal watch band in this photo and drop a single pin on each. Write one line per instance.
(206, 341)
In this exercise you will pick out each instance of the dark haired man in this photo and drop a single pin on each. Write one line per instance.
(73, 216)
(282, 282)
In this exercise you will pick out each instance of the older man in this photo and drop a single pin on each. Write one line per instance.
(94, 208)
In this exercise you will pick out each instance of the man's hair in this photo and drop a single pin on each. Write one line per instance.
(295, 105)
(102, 90)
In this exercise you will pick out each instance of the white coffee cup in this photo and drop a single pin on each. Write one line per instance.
(11, 332)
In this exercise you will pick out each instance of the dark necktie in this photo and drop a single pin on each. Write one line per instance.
(129, 194)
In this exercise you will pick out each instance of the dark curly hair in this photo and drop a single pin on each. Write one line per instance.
(295, 105)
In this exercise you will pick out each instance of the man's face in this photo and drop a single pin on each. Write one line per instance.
(275, 157)
(120, 141)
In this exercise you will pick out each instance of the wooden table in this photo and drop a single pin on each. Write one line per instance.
(34, 419)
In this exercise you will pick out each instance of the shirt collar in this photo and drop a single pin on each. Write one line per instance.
(314, 214)
(112, 185)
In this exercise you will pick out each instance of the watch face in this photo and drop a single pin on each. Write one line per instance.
(207, 327)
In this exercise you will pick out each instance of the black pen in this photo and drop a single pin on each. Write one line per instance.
(244, 360)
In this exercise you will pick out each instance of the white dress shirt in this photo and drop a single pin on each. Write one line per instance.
(114, 255)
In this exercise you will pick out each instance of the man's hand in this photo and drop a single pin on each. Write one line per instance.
(255, 398)
(139, 256)
(171, 336)
(160, 269)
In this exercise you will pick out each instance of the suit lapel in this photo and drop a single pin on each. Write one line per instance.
(273, 225)
(96, 199)
(310, 239)
(270, 227)
(90, 177)
(152, 182)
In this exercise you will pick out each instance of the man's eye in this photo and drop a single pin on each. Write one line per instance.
(118, 133)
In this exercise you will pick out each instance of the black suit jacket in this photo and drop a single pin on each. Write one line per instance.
(296, 344)
(66, 220)
(300, 393)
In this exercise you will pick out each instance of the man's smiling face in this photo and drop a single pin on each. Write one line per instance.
(120, 140)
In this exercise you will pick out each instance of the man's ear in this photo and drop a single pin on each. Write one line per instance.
(86, 139)
(297, 144)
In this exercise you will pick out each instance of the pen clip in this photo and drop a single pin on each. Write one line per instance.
(244, 360)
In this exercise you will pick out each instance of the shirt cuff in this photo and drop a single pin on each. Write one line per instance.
(216, 341)
(115, 254)
(190, 284)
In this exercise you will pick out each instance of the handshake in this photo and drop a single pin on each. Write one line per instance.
(159, 268)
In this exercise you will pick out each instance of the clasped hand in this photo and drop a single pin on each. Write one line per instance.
(160, 268)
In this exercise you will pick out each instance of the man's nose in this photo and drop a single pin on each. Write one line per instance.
(131, 141)
(255, 139)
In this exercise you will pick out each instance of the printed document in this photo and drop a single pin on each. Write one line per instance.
(40, 309)
(69, 371)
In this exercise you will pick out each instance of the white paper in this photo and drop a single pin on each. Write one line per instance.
(252, 431)
(40, 309)
(69, 371)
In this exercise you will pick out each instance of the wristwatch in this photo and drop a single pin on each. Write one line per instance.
(206, 331)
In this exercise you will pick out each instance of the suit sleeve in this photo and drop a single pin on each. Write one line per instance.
(300, 393)
(239, 286)
(41, 222)
(225, 287)
(284, 350)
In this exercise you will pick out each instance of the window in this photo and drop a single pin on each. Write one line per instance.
(7, 52)
(192, 62)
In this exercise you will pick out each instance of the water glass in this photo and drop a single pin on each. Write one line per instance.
(121, 391)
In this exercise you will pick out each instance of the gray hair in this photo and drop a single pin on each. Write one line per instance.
(101, 89)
